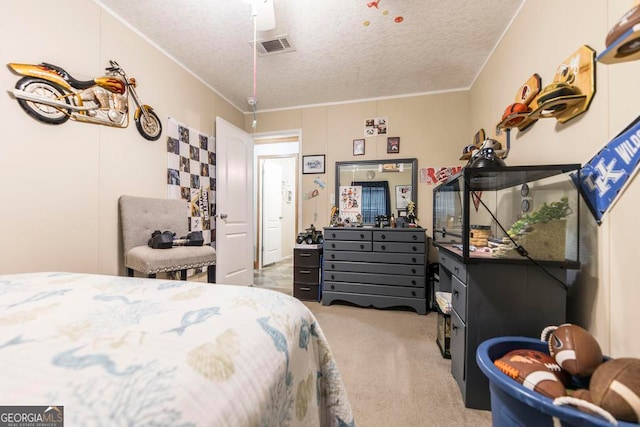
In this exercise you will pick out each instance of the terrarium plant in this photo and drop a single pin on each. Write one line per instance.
(547, 212)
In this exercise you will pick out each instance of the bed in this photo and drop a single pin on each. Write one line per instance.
(117, 351)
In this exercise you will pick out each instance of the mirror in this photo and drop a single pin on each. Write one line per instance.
(373, 188)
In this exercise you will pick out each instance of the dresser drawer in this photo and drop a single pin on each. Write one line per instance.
(306, 257)
(414, 248)
(359, 288)
(382, 279)
(306, 275)
(341, 245)
(365, 267)
(459, 297)
(374, 257)
(353, 234)
(305, 292)
(453, 265)
(417, 236)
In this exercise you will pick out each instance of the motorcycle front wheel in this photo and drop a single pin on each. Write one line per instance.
(148, 125)
(46, 90)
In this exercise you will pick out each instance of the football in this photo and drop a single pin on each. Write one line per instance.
(615, 387)
(535, 370)
(575, 350)
(582, 393)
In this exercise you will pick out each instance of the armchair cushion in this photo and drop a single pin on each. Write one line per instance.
(140, 217)
(150, 261)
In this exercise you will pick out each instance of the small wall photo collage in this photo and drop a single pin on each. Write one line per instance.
(375, 127)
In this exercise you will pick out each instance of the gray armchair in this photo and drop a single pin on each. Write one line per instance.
(141, 216)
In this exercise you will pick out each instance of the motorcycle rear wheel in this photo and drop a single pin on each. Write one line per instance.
(45, 89)
(150, 128)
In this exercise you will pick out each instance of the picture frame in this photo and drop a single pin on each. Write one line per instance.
(403, 195)
(393, 145)
(358, 147)
(375, 126)
(313, 164)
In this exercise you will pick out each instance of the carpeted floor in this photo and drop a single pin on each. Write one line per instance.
(391, 365)
(392, 368)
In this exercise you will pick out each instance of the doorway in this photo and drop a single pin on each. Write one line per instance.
(277, 199)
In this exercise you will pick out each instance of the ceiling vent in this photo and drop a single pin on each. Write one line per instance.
(279, 44)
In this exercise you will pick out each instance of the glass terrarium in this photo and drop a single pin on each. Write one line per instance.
(509, 213)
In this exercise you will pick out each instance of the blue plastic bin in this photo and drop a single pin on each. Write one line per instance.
(514, 405)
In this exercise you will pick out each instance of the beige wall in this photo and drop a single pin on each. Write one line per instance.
(60, 184)
(434, 128)
(604, 295)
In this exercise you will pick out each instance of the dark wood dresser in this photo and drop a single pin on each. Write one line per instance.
(379, 267)
(307, 272)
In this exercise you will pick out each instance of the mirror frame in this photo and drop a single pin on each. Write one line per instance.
(414, 174)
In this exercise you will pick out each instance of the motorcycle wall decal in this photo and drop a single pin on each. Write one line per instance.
(51, 95)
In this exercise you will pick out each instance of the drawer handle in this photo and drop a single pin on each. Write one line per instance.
(333, 246)
(414, 248)
(414, 237)
(362, 236)
(383, 237)
(333, 287)
(413, 270)
(333, 278)
(414, 259)
(333, 256)
(413, 282)
(413, 293)
(333, 266)
(333, 235)
(361, 246)
(305, 271)
(305, 289)
(384, 247)
(304, 254)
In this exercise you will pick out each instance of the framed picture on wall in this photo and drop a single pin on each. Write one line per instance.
(403, 195)
(393, 144)
(358, 147)
(313, 164)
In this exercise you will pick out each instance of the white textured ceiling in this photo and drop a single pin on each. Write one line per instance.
(440, 45)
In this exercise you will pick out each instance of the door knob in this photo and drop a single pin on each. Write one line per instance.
(223, 216)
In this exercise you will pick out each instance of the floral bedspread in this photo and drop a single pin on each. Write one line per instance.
(116, 351)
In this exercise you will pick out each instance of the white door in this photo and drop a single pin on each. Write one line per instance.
(234, 208)
(271, 212)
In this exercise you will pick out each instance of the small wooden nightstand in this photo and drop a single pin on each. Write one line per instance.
(307, 270)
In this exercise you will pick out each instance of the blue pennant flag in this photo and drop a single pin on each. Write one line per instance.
(604, 176)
